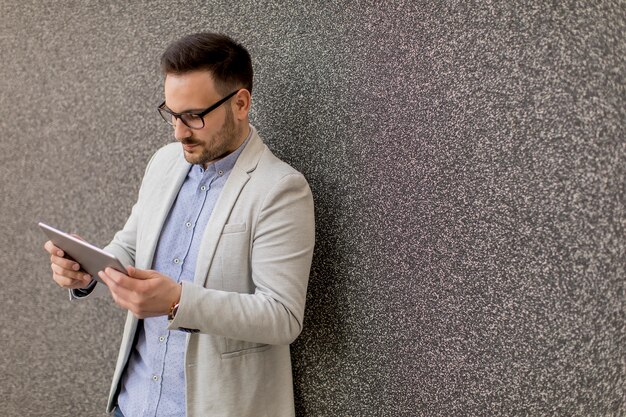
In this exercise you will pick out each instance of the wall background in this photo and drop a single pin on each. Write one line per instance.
(468, 164)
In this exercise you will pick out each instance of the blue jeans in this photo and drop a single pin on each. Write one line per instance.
(118, 412)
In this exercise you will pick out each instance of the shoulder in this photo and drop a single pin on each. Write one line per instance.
(270, 164)
(265, 163)
(272, 175)
(169, 153)
(165, 157)
(276, 183)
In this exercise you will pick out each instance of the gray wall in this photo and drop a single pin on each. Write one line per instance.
(468, 166)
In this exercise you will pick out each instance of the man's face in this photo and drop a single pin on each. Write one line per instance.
(194, 92)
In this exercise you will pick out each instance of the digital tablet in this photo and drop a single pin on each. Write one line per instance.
(91, 258)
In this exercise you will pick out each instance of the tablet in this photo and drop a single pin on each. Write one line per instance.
(91, 258)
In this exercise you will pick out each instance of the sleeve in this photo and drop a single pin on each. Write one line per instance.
(280, 262)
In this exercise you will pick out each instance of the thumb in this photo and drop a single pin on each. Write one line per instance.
(139, 273)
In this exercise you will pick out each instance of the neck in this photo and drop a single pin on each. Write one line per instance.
(241, 135)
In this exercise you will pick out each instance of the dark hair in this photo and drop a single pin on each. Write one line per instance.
(228, 62)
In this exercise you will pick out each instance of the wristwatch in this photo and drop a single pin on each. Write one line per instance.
(172, 312)
(174, 307)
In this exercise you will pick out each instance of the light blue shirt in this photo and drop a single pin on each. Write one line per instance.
(154, 380)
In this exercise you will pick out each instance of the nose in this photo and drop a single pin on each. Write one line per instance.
(181, 131)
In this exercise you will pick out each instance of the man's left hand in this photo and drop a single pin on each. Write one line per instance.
(145, 293)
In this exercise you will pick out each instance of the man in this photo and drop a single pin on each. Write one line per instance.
(218, 250)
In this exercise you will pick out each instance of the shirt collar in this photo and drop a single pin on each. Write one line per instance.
(226, 164)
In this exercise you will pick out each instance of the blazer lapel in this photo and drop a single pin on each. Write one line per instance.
(172, 179)
(237, 179)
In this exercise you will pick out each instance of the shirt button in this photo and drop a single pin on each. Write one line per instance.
(162, 339)
(203, 188)
(176, 261)
(188, 224)
(155, 378)
(220, 172)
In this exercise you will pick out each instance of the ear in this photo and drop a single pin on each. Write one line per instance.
(241, 104)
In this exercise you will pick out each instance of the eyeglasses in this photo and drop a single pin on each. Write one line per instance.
(191, 120)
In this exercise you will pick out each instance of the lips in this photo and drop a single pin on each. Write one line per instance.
(189, 146)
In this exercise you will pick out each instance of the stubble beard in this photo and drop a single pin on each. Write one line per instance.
(218, 146)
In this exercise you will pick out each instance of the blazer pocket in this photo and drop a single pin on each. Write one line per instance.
(234, 228)
(239, 348)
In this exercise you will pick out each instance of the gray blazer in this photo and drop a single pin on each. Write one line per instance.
(246, 304)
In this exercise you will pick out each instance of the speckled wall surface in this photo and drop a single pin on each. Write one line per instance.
(468, 165)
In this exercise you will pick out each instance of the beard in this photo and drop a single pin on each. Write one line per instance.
(216, 147)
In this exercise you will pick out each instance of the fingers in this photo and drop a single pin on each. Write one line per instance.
(69, 279)
(64, 263)
(118, 279)
(68, 283)
(122, 288)
(68, 268)
(73, 273)
(133, 280)
(118, 293)
(144, 293)
(52, 250)
(123, 291)
(140, 273)
(65, 272)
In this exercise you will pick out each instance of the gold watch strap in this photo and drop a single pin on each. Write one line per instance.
(172, 312)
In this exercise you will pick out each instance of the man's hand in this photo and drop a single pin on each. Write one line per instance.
(66, 272)
(145, 293)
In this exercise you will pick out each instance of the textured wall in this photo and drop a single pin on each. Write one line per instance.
(468, 164)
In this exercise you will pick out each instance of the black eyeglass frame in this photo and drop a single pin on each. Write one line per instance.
(201, 114)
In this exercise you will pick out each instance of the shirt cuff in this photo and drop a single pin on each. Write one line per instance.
(84, 292)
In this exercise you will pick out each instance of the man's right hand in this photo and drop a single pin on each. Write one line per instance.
(66, 272)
